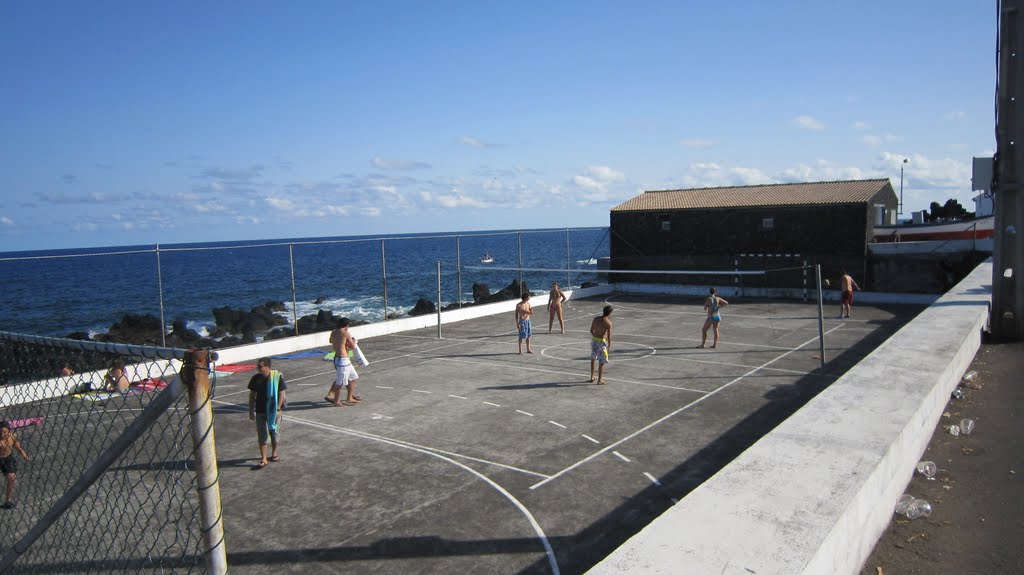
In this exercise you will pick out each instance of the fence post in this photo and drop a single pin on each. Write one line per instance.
(384, 274)
(295, 305)
(160, 287)
(520, 236)
(438, 299)
(195, 375)
(568, 264)
(821, 319)
(458, 266)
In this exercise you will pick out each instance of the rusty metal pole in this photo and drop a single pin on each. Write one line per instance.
(195, 374)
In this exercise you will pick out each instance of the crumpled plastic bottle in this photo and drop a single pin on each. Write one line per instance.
(957, 394)
(927, 468)
(919, 508)
(954, 430)
(904, 503)
(966, 426)
(970, 376)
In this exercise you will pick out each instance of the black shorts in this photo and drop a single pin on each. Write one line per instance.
(8, 464)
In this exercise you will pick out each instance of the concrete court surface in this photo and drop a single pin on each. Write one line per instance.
(465, 457)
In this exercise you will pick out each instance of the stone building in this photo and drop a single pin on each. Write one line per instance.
(764, 227)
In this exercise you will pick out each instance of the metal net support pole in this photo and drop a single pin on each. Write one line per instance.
(821, 319)
(805, 278)
(195, 374)
(295, 305)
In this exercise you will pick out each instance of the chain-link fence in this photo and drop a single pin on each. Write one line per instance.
(100, 451)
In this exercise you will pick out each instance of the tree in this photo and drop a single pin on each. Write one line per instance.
(952, 210)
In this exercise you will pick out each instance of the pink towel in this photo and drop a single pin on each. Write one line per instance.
(16, 423)
(236, 367)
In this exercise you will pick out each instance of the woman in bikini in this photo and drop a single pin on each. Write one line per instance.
(712, 304)
(555, 299)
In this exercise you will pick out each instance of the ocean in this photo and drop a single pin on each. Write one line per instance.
(57, 292)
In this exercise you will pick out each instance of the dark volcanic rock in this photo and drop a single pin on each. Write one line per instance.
(480, 291)
(423, 307)
(589, 284)
(182, 336)
(134, 328)
(512, 291)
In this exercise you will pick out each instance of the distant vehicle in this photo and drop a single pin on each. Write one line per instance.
(487, 259)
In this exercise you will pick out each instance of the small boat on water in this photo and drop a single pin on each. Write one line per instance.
(487, 259)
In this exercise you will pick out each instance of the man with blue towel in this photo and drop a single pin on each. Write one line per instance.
(266, 402)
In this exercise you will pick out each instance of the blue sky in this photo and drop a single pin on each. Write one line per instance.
(164, 122)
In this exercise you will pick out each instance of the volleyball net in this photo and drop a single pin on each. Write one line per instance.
(109, 476)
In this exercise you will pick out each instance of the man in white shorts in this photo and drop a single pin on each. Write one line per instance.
(343, 343)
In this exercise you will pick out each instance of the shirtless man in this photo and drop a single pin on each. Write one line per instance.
(345, 373)
(847, 285)
(8, 462)
(555, 299)
(600, 343)
(713, 305)
(523, 323)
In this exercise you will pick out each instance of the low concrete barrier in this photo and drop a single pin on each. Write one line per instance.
(815, 494)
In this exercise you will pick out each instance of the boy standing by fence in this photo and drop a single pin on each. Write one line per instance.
(8, 462)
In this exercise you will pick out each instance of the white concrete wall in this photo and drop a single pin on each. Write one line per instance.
(815, 494)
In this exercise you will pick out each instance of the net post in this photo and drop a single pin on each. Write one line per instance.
(438, 299)
(821, 318)
(195, 375)
(160, 288)
(805, 278)
(520, 238)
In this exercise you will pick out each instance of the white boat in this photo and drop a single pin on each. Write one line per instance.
(978, 229)
(487, 259)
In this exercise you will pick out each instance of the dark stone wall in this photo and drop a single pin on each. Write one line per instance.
(834, 236)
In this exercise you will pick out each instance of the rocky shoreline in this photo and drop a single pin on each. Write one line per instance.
(238, 327)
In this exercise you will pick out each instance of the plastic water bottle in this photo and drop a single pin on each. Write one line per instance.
(928, 469)
(904, 503)
(957, 393)
(966, 426)
(919, 508)
(954, 430)
(970, 376)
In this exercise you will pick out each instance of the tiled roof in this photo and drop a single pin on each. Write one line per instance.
(812, 193)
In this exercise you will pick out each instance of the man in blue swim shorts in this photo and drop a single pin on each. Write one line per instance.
(523, 323)
(600, 343)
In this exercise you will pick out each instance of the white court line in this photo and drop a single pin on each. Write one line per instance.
(587, 437)
(670, 415)
(537, 529)
(621, 456)
(489, 403)
(558, 424)
(573, 373)
(523, 412)
(421, 391)
(457, 396)
(653, 479)
(383, 387)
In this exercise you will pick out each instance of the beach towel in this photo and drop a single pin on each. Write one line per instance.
(272, 381)
(105, 395)
(297, 355)
(236, 367)
(16, 423)
(149, 384)
(356, 353)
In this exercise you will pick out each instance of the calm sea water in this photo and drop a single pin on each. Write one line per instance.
(57, 292)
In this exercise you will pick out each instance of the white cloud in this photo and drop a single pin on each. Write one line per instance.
(370, 211)
(859, 126)
(281, 204)
(399, 164)
(697, 143)
(871, 140)
(808, 123)
(6, 221)
(955, 116)
(476, 143)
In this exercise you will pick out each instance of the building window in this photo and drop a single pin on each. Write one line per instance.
(666, 226)
(767, 223)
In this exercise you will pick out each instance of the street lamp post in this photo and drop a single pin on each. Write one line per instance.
(901, 186)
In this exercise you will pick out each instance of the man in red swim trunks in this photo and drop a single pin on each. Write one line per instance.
(847, 284)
